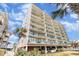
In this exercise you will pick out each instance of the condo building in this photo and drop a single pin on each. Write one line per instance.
(42, 31)
(3, 29)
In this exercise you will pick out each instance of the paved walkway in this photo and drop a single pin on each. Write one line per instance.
(64, 53)
(72, 49)
(9, 53)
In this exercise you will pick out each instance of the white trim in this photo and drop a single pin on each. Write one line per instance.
(28, 27)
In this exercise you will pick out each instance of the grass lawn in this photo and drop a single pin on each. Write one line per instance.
(64, 53)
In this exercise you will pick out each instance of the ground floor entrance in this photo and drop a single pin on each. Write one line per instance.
(43, 47)
(47, 49)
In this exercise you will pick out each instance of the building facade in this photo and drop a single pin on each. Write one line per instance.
(3, 29)
(41, 31)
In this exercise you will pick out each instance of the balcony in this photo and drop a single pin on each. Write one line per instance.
(60, 42)
(48, 17)
(35, 18)
(36, 41)
(50, 36)
(49, 30)
(37, 35)
(36, 30)
(37, 13)
(58, 34)
(36, 8)
(36, 25)
(51, 42)
(36, 22)
(59, 37)
(48, 21)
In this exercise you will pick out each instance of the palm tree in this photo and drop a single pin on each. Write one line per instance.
(62, 11)
(22, 34)
(75, 7)
(74, 45)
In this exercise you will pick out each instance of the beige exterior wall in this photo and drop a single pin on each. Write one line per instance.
(43, 30)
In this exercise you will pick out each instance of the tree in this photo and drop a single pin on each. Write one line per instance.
(62, 11)
(74, 44)
(21, 32)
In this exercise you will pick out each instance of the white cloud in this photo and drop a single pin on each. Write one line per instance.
(77, 21)
(5, 6)
(19, 16)
(74, 16)
(71, 26)
(23, 12)
(24, 6)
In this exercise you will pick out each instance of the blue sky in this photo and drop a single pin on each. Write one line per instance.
(17, 12)
(70, 21)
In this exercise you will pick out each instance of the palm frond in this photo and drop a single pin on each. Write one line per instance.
(60, 12)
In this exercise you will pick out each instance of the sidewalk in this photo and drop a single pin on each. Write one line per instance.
(9, 53)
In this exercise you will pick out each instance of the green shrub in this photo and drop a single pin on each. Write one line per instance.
(34, 52)
(20, 53)
(43, 51)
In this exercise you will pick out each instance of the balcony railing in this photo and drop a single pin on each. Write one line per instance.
(36, 41)
(51, 42)
(35, 18)
(36, 30)
(37, 13)
(37, 35)
(37, 26)
(36, 22)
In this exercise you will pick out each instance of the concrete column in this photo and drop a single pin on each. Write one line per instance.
(26, 48)
(45, 49)
(40, 47)
(56, 47)
(28, 27)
